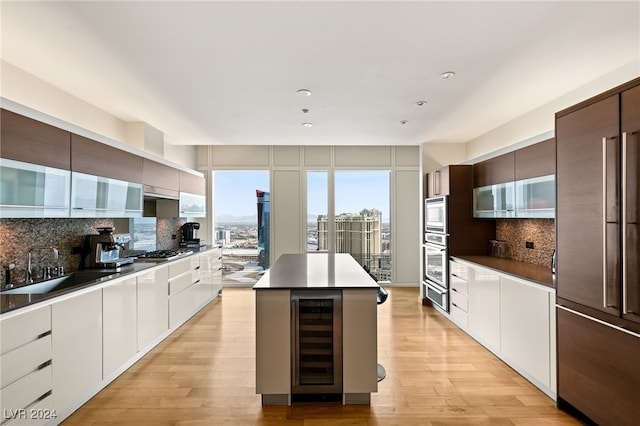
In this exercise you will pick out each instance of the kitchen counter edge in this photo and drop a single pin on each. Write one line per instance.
(526, 271)
(13, 303)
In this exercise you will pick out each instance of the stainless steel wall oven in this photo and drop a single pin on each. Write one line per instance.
(436, 252)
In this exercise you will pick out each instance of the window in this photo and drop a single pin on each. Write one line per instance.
(317, 208)
(241, 220)
(361, 217)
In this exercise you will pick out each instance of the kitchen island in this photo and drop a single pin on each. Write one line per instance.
(316, 330)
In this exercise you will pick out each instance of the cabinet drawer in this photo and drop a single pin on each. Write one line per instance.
(459, 270)
(24, 360)
(182, 305)
(178, 267)
(37, 414)
(24, 328)
(459, 316)
(27, 390)
(459, 301)
(176, 285)
(458, 285)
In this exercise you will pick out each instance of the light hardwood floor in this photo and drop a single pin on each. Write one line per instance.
(204, 374)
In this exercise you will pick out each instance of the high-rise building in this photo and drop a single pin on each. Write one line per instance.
(357, 234)
(263, 228)
(223, 236)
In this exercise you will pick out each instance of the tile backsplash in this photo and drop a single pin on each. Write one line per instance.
(18, 235)
(516, 232)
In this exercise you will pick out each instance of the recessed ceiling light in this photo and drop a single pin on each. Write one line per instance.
(421, 103)
(304, 92)
(403, 122)
(447, 74)
(307, 124)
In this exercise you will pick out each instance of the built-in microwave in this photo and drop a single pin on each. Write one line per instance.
(435, 215)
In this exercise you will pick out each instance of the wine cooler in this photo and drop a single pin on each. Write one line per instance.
(316, 340)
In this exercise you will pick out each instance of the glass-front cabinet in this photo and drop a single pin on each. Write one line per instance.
(95, 196)
(192, 205)
(527, 198)
(494, 201)
(536, 197)
(30, 190)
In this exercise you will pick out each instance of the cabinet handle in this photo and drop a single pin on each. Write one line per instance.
(454, 305)
(604, 222)
(436, 178)
(624, 223)
(605, 294)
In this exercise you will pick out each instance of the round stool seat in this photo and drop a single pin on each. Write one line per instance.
(382, 373)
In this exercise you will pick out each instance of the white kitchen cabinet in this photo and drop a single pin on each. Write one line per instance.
(25, 365)
(484, 307)
(76, 328)
(119, 332)
(211, 270)
(525, 328)
(512, 317)
(273, 345)
(458, 276)
(359, 342)
(187, 292)
(153, 305)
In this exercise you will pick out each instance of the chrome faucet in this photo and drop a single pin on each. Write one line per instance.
(29, 273)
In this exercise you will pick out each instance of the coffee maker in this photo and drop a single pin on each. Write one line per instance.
(102, 251)
(189, 235)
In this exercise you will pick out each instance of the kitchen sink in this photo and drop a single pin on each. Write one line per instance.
(60, 283)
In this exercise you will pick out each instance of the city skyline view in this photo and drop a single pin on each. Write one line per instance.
(235, 199)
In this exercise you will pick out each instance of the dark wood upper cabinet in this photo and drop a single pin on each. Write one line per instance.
(438, 182)
(500, 169)
(536, 160)
(160, 179)
(31, 141)
(466, 234)
(98, 159)
(192, 183)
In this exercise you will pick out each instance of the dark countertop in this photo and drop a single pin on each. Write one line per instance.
(538, 274)
(11, 302)
(315, 271)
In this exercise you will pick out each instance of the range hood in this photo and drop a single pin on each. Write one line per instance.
(151, 192)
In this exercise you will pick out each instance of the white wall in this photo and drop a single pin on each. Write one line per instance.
(28, 95)
(539, 124)
(288, 194)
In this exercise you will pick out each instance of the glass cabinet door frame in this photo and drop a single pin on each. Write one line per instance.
(48, 190)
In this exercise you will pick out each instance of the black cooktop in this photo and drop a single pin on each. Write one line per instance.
(160, 255)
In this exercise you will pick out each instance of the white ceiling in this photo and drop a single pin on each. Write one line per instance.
(213, 72)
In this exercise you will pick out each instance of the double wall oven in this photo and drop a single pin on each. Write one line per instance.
(435, 280)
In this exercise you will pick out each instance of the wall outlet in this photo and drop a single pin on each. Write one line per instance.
(528, 244)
